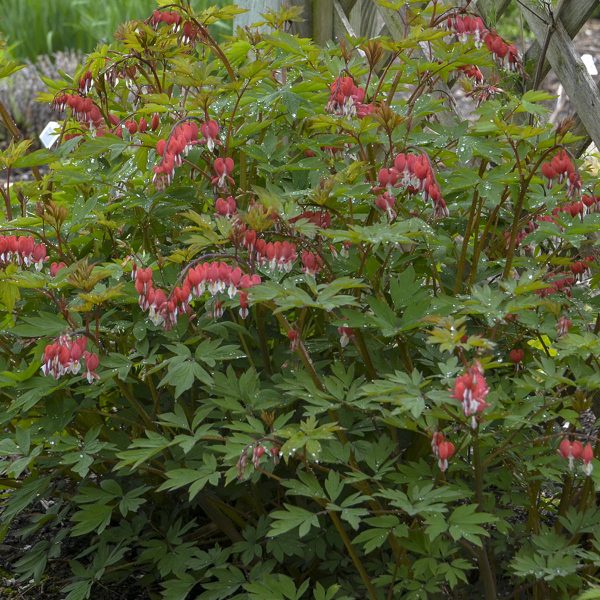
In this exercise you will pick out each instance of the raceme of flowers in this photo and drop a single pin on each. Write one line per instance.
(275, 256)
(182, 139)
(22, 251)
(83, 107)
(189, 30)
(575, 450)
(346, 99)
(561, 168)
(279, 256)
(562, 281)
(468, 26)
(88, 114)
(172, 150)
(256, 452)
(442, 449)
(66, 355)
(414, 173)
(471, 390)
(216, 278)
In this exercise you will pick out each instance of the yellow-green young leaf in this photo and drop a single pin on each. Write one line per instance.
(216, 13)
(535, 96)
(8, 67)
(9, 294)
(15, 150)
(544, 344)
(93, 299)
(268, 199)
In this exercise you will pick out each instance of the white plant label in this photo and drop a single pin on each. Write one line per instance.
(49, 134)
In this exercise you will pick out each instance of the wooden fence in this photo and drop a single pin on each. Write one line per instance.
(554, 29)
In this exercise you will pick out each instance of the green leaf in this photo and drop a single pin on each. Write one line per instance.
(142, 450)
(371, 539)
(465, 522)
(30, 491)
(132, 500)
(333, 485)
(320, 593)
(93, 517)
(45, 324)
(182, 374)
(178, 589)
(78, 590)
(403, 288)
(292, 517)
(9, 294)
(35, 159)
(195, 478)
(210, 352)
(422, 498)
(436, 525)
(177, 418)
(401, 390)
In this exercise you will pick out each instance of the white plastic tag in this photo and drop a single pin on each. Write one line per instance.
(590, 65)
(49, 135)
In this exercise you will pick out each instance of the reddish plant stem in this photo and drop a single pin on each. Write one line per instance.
(533, 489)
(479, 246)
(565, 500)
(524, 187)
(473, 214)
(364, 352)
(353, 555)
(212, 44)
(383, 76)
(7, 206)
(234, 110)
(485, 568)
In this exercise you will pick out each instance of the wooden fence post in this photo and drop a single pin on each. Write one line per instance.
(254, 9)
(257, 7)
(570, 70)
(322, 18)
(573, 14)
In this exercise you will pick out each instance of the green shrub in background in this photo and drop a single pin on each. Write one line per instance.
(278, 325)
(36, 27)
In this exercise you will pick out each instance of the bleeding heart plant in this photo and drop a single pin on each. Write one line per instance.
(276, 323)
